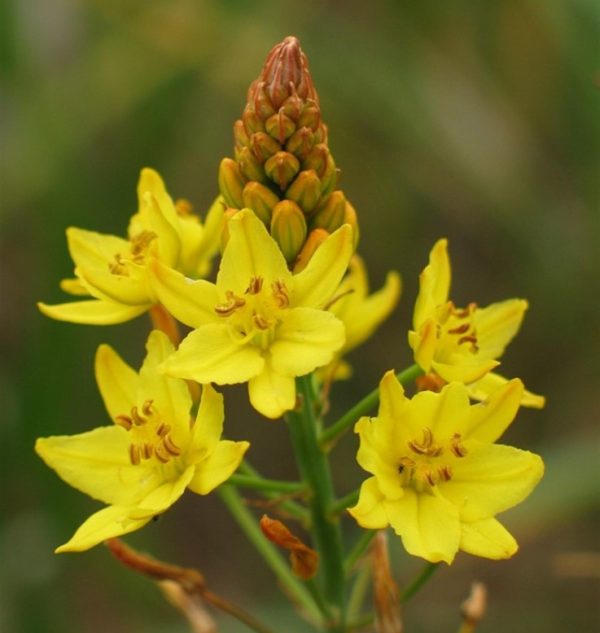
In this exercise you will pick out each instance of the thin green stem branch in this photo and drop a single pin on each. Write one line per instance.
(344, 502)
(247, 521)
(267, 485)
(314, 469)
(361, 585)
(419, 581)
(361, 546)
(332, 433)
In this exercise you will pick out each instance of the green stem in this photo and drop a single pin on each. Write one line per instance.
(361, 585)
(314, 469)
(268, 485)
(359, 549)
(247, 521)
(419, 581)
(333, 432)
(351, 499)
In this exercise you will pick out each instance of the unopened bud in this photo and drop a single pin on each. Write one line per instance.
(329, 178)
(305, 191)
(280, 126)
(249, 166)
(315, 238)
(292, 106)
(351, 218)
(288, 228)
(260, 199)
(321, 134)
(330, 215)
(225, 231)
(231, 183)
(317, 159)
(262, 104)
(252, 122)
(282, 168)
(301, 143)
(310, 117)
(239, 133)
(263, 146)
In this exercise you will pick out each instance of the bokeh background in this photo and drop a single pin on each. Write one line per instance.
(473, 120)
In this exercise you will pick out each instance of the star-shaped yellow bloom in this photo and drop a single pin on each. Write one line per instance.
(258, 323)
(360, 312)
(438, 478)
(462, 344)
(114, 271)
(143, 463)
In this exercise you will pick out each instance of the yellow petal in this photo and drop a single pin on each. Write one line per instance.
(211, 354)
(220, 464)
(497, 324)
(94, 250)
(487, 538)
(117, 381)
(434, 283)
(491, 479)
(492, 382)
(165, 495)
(444, 413)
(93, 312)
(191, 302)
(167, 244)
(315, 286)
(130, 290)
(97, 463)
(370, 512)
(271, 393)
(424, 342)
(464, 370)
(107, 523)
(306, 339)
(74, 287)
(428, 524)
(208, 427)
(151, 182)
(170, 396)
(392, 401)
(490, 418)
(250, 252)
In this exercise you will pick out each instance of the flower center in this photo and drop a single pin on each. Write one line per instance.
(428, 462)
(255, 314)
(139, 245)
(150, 434)
(458, 327)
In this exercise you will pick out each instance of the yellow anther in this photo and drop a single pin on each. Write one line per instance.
(255, 286)
(170, 446)
(148, 449)
(134, 454)
(280, 294)
(457, 447)
(140, 243)
(427, 446)
(162, 429)
(137, 418)
(161, 453)
(147, 407)
(260, 322)
(124, 420)
(231, 305)
(445, 473)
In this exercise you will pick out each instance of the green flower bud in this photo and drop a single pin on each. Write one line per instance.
(288, 228)
(249, 166)
(305, 191)
(315, 238)
(280, 126)
(301, 143)
(261, 200)
(263, 146)
(231, 183)
(331, 213)
(282, 168)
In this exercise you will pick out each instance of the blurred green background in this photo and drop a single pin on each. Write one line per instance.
(473, 120)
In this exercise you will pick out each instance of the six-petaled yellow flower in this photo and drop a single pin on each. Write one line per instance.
(142, 463)
(462, 344)
(438, 478)
(114, 271)
(258, 323)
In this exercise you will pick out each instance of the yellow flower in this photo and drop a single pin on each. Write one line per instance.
(462, 344)
(143, 463)
(438, 478)
(258, 323)
(114, 271)
(360, 312)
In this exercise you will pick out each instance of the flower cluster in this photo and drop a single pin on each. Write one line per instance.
(289, 300)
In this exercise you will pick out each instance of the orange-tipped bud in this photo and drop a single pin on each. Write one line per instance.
(282, 168)
(280, 126)
(249, 166)
(261, 200)
(263, 146)
(315, 238)
(305, 191)
(231, 183)
(330, 216)
(317, 159)
(301, 143)
(240, 135)
(288, 228)
(304, 560)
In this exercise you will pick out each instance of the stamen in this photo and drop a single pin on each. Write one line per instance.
(118, 266)
(171, 446)
(161, 453)
(134, 454)
(456, 447)
(427, 446)
(406, 464)
(230, 306)
(260, 322)
(467, 339)
(463, 314)
(147, 407)
(429, 477)
(137, 418)
(280, 294)
(140, 243)
(162, 429)
(461, 329)
(148, 450)
(124, 420)
(445, 472)
(255, 286)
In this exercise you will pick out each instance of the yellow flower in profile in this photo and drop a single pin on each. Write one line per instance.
(462, 344)
(360, 312)
(438, 478)
(114, 271)
(143, 463)
(259, 323)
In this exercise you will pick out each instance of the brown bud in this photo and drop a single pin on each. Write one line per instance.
(305, 191)
(231, 183)
(249, 166)
(301, 143)
(288, 228)
(260, 199)
(282, 168)
(351, 218)
(315, 238)
(330, 215)
(280, 126)
(263, 146)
